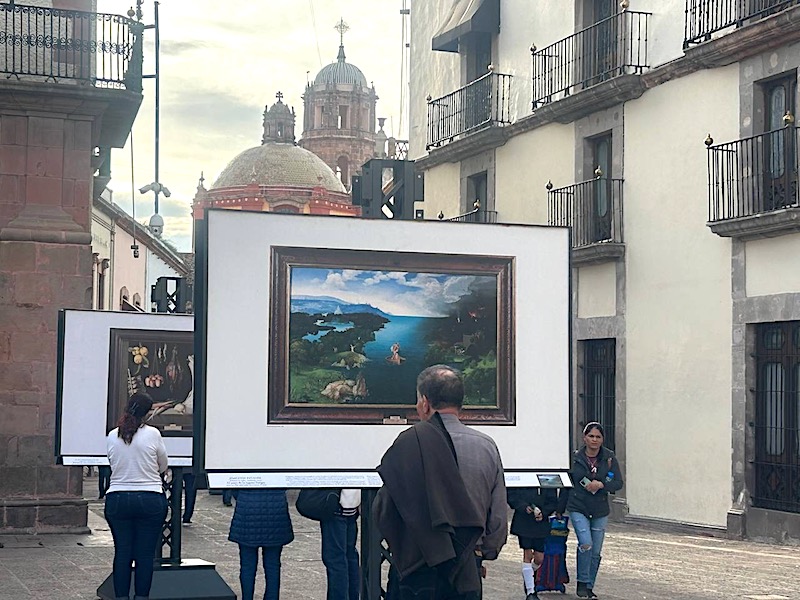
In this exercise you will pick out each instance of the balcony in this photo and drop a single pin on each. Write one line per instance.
(752, 189)
(593, 211)
(472, 117)
(54, 45)
(705, 17)
(477, 215)
(611, 49)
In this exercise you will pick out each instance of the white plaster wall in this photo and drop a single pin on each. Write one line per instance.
(442, 191)
(430, 73)
(525, 164)
(665, 29)
(771, 265)
(128, 271)
(678, 318)
(101, 235)
(523, 23)
(156, 268)
(597, 290)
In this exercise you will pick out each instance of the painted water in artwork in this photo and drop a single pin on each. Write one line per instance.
(361, 337)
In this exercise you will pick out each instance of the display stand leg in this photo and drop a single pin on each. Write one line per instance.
(175, 578)
(373, 552)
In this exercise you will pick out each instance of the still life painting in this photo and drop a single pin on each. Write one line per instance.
(161, 364)
(355, 328)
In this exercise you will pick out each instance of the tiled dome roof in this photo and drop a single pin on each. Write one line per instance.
(278, 164)
(341, 72)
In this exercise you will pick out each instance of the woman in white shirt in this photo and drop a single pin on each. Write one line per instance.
(135, 503)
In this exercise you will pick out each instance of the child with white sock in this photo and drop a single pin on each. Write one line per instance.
(531, 524)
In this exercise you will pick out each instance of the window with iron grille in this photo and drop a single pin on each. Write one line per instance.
(777, 442)
(599, 381)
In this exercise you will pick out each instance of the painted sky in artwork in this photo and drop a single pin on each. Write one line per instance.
(398, 293)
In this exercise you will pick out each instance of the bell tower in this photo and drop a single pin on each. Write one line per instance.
(339, 115)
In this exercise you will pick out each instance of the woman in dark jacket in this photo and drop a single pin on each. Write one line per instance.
(595, 473)
(531, 524)
(261, 520)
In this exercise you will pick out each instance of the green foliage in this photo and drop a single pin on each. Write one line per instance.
(306, 385)
(480, 380)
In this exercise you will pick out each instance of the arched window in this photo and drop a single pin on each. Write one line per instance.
(343, 168)
(137, 300)
(124, 296)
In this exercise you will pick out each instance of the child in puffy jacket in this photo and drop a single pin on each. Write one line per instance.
(260, 520)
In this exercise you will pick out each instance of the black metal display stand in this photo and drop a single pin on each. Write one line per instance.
(175, 578)
(373, 552)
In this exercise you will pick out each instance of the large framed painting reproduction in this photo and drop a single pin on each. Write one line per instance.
(104, 356)
(159, 363)
(311, 332)
(353, 329)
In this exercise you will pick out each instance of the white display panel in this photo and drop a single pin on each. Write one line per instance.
(238, 271)
(82, 409)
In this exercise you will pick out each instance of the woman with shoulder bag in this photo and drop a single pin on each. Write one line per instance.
(595, 473)
(135, 503)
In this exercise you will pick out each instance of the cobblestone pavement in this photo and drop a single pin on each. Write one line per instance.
(638, 563)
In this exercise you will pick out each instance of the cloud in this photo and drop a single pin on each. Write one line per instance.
(221, 63)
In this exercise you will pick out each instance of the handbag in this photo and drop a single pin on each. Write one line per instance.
(318, 504)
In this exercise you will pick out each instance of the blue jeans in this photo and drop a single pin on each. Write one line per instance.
(340, 557)
(191, 496)
(136, 520)
(248, 565)
(590, 533)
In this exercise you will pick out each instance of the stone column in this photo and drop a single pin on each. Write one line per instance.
(46, 149)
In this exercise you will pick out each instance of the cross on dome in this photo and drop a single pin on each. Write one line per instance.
(342, 28)
(279, 96)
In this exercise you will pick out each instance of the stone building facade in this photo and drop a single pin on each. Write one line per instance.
(664, 134)
(58, 121)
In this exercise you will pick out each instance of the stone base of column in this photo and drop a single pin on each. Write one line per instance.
(43, 515)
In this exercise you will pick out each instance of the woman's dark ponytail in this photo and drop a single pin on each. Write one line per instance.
(138, 406)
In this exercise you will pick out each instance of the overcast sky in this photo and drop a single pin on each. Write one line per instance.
(221, 63)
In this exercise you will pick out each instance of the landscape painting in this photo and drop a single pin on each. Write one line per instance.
(159, 363)
(357, 327)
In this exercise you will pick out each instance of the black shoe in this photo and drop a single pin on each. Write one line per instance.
(582, 591)
(591, 593)
(228, 503)
(532, 596)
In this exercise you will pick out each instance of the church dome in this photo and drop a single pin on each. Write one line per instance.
(279, 164)
(341, 72)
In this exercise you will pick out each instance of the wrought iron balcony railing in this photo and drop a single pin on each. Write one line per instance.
(100, 49)
(477, 215)
(704, 17)
(593, 209)
(612, 47)
(479, 104)
(753, 175)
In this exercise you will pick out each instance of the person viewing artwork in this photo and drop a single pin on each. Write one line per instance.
(261, 520)
(135, 502)
(595, 473)
(442, 508)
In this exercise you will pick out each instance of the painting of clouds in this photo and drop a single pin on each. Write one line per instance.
(361, 336)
